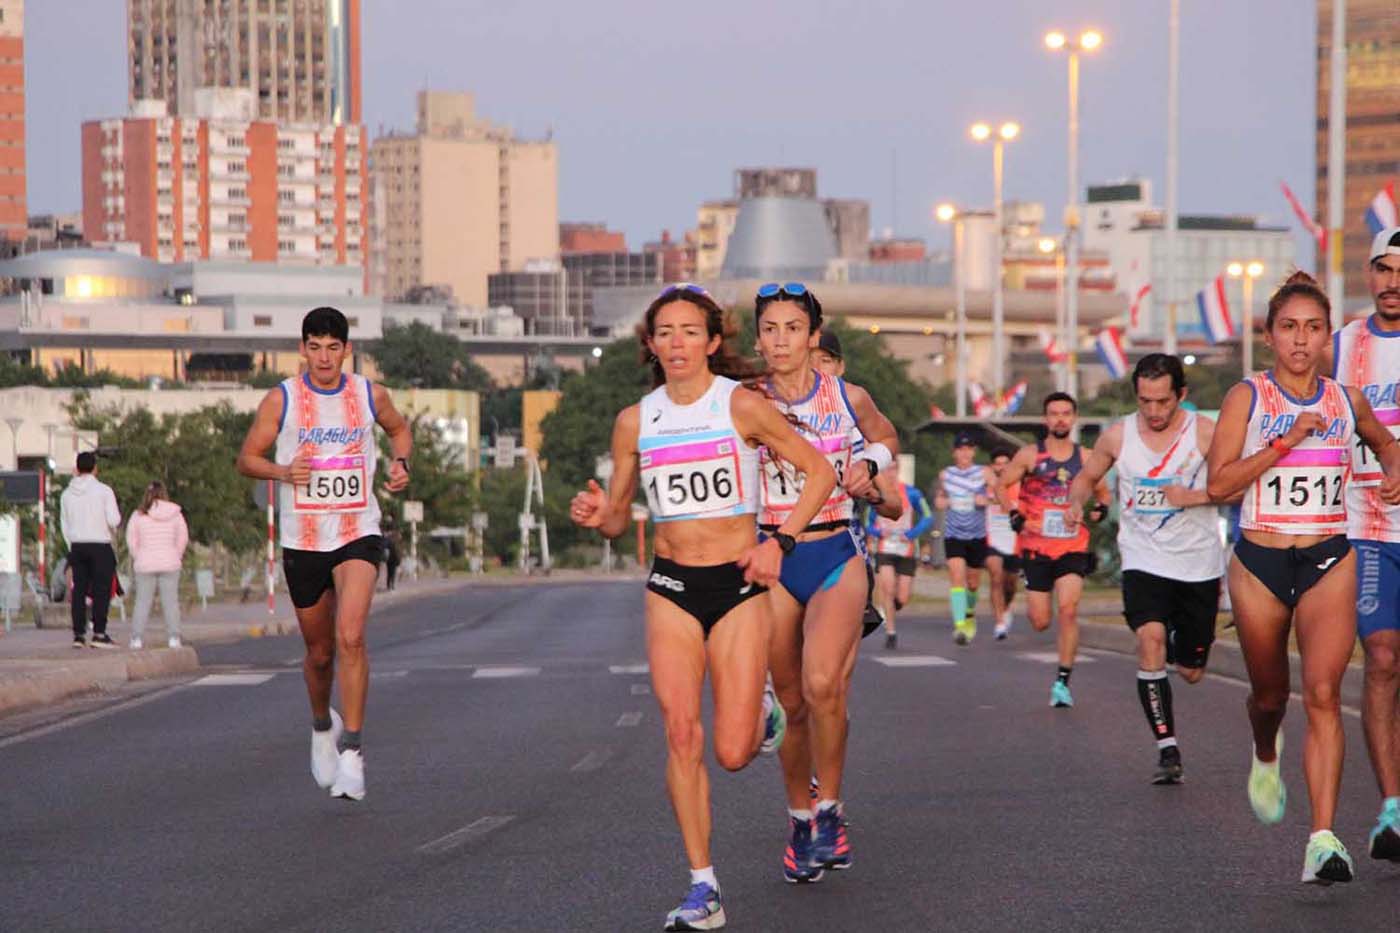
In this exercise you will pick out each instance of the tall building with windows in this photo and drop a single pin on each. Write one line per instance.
(458, 200)
(299, 58)
(14, 214)
(222, 184)
(1373, 120)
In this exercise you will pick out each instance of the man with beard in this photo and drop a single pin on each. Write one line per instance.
(1053, 543)
(1167, 536)
(1366, 355)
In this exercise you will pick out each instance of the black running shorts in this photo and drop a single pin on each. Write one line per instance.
(1186, 608)
(1042, 572)
(1289, 572)
(903, 566)
(309, 573)
(972, 550)
(706, 593)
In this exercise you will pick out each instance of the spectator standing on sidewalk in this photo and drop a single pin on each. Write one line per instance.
(87, 516)
(392, 557)
(156, 536)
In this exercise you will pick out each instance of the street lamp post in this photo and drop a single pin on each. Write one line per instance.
(1247, 272)
(947, 213)
(1047, 246)
(1003, 135)
(15, 423)
(1087, 41)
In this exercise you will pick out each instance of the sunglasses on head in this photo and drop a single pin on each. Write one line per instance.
(790, 289)
(690, 287)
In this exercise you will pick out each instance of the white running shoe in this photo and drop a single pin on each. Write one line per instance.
(325, 761)
(135, 644)
(174, 642)
(350, 779)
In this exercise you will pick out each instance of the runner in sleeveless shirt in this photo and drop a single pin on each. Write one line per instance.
(1003, 564)
(322, 423)
(1168, 537)
(962, 498)
(692, 445)
(896, 546)
(1366, 354)
(818, 606)
(1053, 543)
(1284, 439)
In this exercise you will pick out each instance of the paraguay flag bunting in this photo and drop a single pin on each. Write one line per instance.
(1051, 346)
(1383, 211)
(1012, 398)
(1109, 343)
(1215, 311)
(982, 405)
(1135, 311)
(1318, 231)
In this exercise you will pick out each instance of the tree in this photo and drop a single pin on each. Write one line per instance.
(417, 355)
(439, 480)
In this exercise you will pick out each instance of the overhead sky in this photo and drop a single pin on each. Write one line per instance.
(653, 105)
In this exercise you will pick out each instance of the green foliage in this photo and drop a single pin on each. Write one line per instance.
(1206, 385)
(13, 373)
(439, 480)
(580, 429)
(417, 355)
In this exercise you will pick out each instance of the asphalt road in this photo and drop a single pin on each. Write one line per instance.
(514, 758)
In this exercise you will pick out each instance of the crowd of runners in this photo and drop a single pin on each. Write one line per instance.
(784, 532)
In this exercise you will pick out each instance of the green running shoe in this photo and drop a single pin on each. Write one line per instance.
(1326, 861)
(1385, 838)
(1267, 794)
(1060, 696)
(774, 722)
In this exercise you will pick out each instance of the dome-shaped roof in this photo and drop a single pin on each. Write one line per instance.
(61, 263)
(779, 239)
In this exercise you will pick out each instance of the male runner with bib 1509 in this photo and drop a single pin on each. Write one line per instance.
(322, 423)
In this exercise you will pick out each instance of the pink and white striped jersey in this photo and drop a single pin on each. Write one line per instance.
(1301, 494)
(829, 423)
(1368, 358)
(335, 429)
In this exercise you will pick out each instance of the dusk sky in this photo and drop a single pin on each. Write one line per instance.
(653, 105)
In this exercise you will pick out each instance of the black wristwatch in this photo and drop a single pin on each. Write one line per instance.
(873, 467)
(786, 543)
(404, 461)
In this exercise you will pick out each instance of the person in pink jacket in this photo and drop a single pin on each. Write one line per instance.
(156, 536)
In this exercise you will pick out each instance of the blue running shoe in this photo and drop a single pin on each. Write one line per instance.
(797, 860)
(701, 910)
(831, 848)
(1385, 838)
(1060, 695)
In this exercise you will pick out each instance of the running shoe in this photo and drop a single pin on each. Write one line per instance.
(135, 644)
(798, 867)
(1060, 696)
(1169, 770)
(872, 619)
(325, 760)
(103, 641)
(814, 789)
(350, 778)
(701, 910)
(1385, 838)
(1326, 860)
(1267, 793)
(960, 632)
(80, 642)
(970, 627)
(174, 642)
(774, 722)
(831, 848)
(1001, 630)
(891, 641)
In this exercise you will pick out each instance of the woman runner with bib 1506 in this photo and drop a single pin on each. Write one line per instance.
(1283, 439)
(692, 444)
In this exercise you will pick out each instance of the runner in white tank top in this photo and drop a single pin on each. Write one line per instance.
(322, 426)
(1168, 539)
(1284, 441)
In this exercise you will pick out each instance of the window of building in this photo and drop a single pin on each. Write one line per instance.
(286, 246)
(262, 320)
(237, 168)
(238, 194)
(237, 244)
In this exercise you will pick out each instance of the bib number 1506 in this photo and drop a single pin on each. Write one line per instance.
(695, 490)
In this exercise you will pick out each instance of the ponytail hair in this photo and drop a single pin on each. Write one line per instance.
(154, 493)
(1298, 285)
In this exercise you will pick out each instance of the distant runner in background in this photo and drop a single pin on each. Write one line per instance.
(1003, 564)
(962, 497)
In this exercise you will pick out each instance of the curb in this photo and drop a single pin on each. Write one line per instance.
(46, 684)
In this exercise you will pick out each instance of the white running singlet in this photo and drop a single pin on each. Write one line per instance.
(335, 429)
(1154, 537)
(1368, 358)
(1301, 494)
(829, 423)
(694, 463)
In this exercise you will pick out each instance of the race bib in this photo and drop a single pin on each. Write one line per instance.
(962, 503)
(1301, 494)
(1366, 469)
(782, 484)
(337, 484)
(1150, 495)
(1052, 524)
(692, 479)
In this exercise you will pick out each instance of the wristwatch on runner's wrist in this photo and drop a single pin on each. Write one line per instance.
(403, 461)
(786, 542)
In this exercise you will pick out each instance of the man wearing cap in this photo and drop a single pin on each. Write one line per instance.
(1366, 354)
(962, 497)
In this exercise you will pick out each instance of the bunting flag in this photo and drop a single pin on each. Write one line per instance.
(1048, 343)
(1318, 231)
(1215, 311)
(934, 412)
(1109, 343)
(1383, 211)
(982, 405)
(1136, 307)
(1012, 398)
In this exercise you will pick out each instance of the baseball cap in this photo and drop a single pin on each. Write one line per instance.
(964, 439)
(1386, 243)
(830, 343)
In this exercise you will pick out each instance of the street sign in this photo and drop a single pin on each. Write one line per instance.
(480, 521)
(412, 510)
(505, 451)
(526, 521)
(19, 487)
(9, 544)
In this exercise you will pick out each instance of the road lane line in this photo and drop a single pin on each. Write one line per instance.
(914, 660)
(500, 672)
(628, 669)
(1351, 711)
(641, 690)
(460, 837)
(629, 719)
(592, 761)
(387, 675)
(84, 718)
(232, 680)
(1050, 657)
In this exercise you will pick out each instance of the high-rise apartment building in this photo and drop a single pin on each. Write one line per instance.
(14, 213)
(221, 185)
(458, 200)
(1373, 120)
(300, 58)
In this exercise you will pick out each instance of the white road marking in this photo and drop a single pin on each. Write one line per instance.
(592, 761)
(629, 719)
(468, 833)
(1050, 657)
(83, 718)
(641, 690)
(499, 672)
(387, 675)
(628, 669)
(914, 660)
(1351, 711)
(232, 680)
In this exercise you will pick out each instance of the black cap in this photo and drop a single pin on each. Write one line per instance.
(964, 439)
(830, 343)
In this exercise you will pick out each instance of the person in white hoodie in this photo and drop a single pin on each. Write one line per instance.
(156, 536)
(88, 514)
